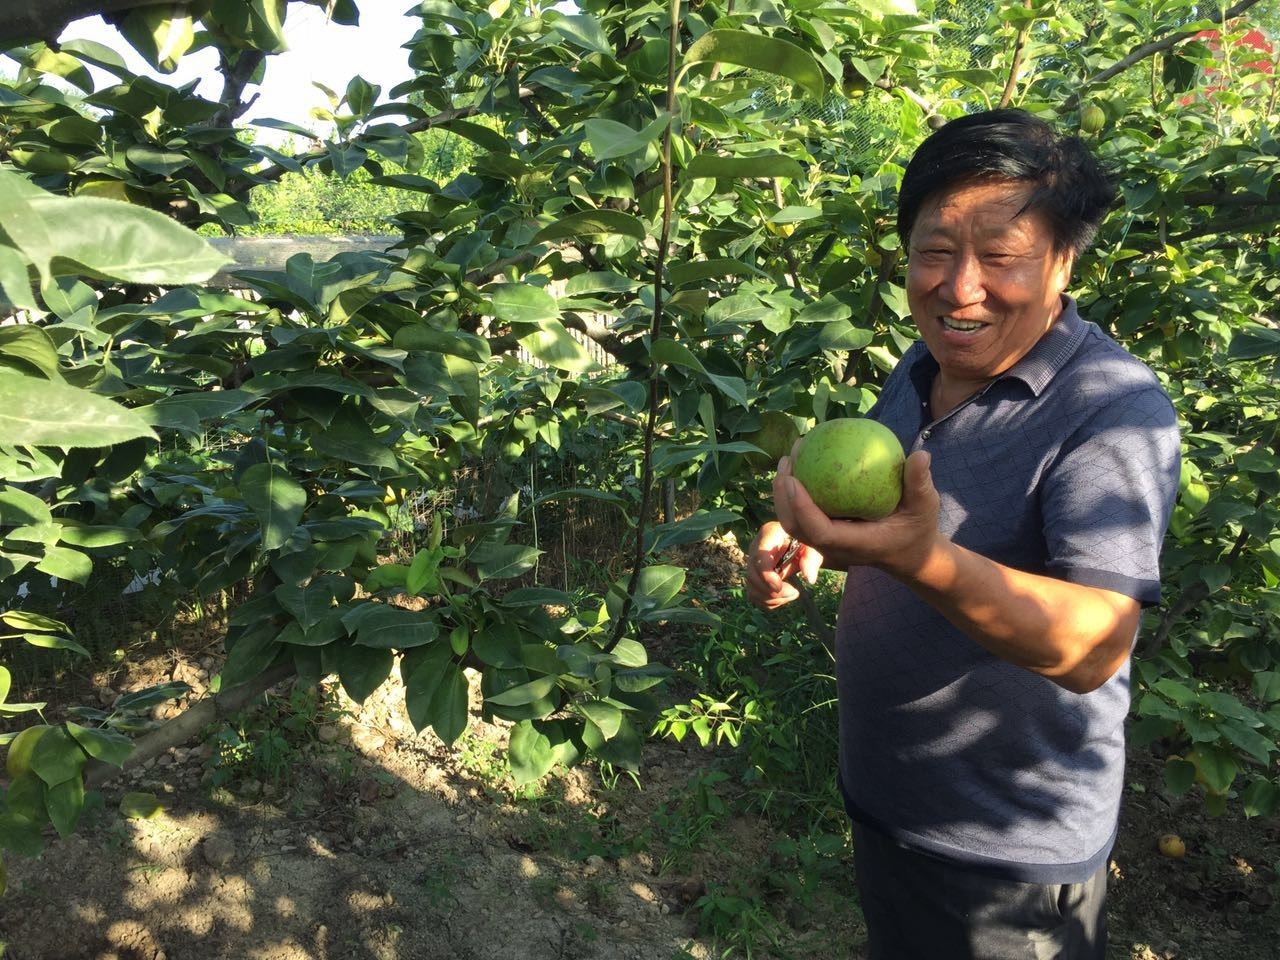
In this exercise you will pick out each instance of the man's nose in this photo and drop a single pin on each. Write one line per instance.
(963, 284)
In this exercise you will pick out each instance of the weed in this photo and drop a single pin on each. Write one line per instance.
(437, 883)
(739, 919)
(266, 744)
(765, 686)
(686, 825)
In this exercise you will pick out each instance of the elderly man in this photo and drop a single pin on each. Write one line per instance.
(984, 637)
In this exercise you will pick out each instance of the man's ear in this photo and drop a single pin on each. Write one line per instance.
(1064, 265)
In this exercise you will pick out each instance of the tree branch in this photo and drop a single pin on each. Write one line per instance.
(235, 77)
(187, 725)
(1154, 47)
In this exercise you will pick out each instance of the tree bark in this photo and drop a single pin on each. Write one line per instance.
(27, 20)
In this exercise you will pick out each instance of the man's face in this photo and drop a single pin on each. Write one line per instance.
(983, 283)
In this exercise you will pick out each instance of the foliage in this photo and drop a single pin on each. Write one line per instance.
(642, 189)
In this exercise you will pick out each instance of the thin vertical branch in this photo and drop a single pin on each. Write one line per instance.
(1019, 49)
(655, 333)
(786, 250)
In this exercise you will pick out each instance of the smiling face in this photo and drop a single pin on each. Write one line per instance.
(984, 283)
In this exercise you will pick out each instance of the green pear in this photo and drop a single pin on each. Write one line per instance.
(777, 434)
(852, 468)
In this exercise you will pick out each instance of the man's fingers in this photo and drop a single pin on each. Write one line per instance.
(810, 564)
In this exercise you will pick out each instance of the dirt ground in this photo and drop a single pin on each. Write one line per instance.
(359, 839)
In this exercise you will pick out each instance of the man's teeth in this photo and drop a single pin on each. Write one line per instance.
(963, 326)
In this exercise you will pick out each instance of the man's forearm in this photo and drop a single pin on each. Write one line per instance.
(1075, 635)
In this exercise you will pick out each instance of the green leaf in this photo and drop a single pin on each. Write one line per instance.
(35, 622)
(57, 757)
(51, 641)
(744, 168)
(497, 644)
(630, 653)
(523, 693)
(362, 670)
(606, 717)
(164, 163)
(151, 696)
(1179, 775)
(394, 628)
(530, 753)
(36, 412)
(19, 508)
(6, 679)
(522, 303)
(15, 279)
(480, 135)
(590, 223)
(276, 499)
(66, 564)
(554, 346)
(1248, 741)
(94, 537)
(459, 343)
(769, 54)
(258, 23)
(65, 803)
(422, 670)
(843, 335)
(585, 32)
(449, 705)
(622, 750)
(1266, 686)
(610, 139)
(250, 655)
(161, 34)
(348, 437)
(307, 605)
(105, 745)
(693, 271)
(30, 345)
(1261, 798)
(20, 834)
(1214, 765)
(103, 239)
(503, 561)
(1251, 342)
(140, 806)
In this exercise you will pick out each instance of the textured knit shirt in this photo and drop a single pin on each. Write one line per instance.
(1067, 466)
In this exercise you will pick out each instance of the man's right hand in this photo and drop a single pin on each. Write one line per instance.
(767, 585)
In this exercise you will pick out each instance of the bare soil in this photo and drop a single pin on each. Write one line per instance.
(360, 839)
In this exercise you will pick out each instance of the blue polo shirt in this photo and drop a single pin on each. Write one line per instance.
(1067, 466)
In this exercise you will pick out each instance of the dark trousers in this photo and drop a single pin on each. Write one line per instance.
(921, 908)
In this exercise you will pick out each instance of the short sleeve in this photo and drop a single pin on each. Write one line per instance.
(1106, 499)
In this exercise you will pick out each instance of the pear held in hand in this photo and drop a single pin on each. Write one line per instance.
(852, 468)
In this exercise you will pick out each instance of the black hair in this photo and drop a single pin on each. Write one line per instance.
(1070, 187)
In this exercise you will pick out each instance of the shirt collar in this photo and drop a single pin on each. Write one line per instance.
(1049, 354)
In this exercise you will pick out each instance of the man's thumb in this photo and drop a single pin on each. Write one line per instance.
(917, 481)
